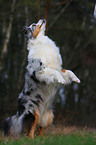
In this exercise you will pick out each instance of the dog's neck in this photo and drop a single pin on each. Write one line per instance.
(41, 33)
(39, 37)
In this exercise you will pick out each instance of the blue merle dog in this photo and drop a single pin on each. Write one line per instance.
(43, 74)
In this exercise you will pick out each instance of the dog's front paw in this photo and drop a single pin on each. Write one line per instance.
(60, 79)
(69, 76)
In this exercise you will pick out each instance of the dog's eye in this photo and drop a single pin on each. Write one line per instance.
(33, 27)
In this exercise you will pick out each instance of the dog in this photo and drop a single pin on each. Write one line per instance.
(43, 76)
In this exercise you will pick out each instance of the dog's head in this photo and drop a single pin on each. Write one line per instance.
(34, 29)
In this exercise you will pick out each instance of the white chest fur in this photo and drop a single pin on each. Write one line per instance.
(46, 51)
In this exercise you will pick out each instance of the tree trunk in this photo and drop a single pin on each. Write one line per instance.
(21, 73)
(7, 38)
(58, 15)
(38, 12)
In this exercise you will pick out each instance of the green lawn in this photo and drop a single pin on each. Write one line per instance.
(77, 138)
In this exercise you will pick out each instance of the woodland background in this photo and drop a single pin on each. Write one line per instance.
(70, 23)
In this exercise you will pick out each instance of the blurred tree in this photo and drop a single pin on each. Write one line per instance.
(4, 50)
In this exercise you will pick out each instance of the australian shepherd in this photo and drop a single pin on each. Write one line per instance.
(43, 75)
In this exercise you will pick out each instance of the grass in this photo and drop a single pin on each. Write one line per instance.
(77, 138)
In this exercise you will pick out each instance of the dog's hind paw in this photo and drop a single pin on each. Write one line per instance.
(31, 135)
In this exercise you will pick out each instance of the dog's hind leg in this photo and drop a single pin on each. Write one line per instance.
(40, 131)
(31, 134)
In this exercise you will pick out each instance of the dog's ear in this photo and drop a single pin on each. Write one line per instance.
(36, 31)
(27, 32)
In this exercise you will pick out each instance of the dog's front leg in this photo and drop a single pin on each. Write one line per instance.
(69, 76)
(31, 134)
(50, 76)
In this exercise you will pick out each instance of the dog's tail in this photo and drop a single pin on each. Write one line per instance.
(12, 126)
(17, 125)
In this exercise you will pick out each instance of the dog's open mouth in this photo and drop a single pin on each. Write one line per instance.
(43, 21)
(38, 27)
